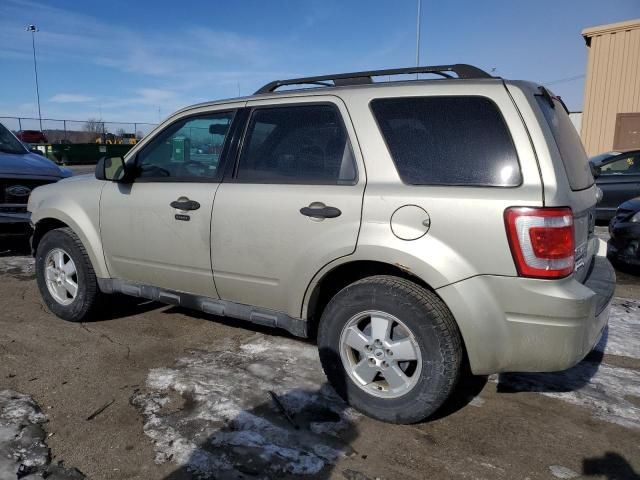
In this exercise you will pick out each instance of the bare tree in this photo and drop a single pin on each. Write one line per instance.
(94, 125)
(120, 132)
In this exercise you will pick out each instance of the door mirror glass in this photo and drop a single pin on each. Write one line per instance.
(111, 168)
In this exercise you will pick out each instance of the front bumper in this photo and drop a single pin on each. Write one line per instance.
(624, 245)
(12, 218)
(512, 324)
(14, 224)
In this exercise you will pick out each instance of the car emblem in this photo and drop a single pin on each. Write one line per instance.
(18, 191)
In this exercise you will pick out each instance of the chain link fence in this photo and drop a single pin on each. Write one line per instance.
(74, 131)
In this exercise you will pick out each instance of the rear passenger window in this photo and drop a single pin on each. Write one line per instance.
(448, 141)
(304, 144)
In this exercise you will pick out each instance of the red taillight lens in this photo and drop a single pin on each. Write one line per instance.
(541, 241)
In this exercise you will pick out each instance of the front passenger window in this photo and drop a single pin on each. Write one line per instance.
(189, 149)
(624, 166)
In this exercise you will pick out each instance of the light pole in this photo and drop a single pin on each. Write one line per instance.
(418, 22)
(33, 29)
(417, 33)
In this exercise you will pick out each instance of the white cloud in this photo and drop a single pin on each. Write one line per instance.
(179, 54)
(71, 98)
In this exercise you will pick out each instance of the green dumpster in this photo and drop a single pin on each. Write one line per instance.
(84, 153)
(181, 149)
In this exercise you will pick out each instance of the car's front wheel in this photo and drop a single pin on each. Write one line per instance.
(390, 348)
(65, 276)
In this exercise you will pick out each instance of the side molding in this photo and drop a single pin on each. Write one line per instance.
(223, 308)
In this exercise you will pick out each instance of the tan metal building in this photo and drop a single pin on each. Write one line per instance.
(611, 119)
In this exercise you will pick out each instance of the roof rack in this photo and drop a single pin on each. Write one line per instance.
(462, 70)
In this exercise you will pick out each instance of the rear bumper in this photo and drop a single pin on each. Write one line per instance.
(514, 324)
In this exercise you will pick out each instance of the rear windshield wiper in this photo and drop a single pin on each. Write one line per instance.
(546, 94)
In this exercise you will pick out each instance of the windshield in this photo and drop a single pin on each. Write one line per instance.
(9, 143)
(602, 157)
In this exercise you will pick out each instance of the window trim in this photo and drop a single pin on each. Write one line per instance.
(463, 185)
(232, 175)
(226, 146)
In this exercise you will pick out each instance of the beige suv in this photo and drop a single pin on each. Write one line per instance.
(410, 226)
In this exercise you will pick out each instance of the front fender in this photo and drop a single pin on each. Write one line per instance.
(76, 204)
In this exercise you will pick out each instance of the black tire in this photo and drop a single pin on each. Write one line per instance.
(88, 295)
(433, 328)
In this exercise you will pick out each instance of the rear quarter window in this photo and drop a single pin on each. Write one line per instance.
(461, 140)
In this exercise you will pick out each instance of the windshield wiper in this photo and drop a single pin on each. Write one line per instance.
(9, 150)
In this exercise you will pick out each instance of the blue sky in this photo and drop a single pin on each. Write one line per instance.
(122, 60)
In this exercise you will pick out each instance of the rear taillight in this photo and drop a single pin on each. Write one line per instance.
(541, 240)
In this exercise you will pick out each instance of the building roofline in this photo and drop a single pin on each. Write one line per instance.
(589, 32)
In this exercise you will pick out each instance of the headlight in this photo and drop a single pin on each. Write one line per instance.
(635, 218)
(66, 173)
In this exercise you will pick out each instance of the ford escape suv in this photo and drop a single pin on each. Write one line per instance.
(410, 226)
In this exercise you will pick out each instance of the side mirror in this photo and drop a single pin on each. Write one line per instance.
(595, 171)
(36, 150)
(112, 169)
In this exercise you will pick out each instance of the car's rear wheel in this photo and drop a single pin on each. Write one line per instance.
(391, 348)
(65, 275)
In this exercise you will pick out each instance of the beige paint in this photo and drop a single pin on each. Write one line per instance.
(613, 81)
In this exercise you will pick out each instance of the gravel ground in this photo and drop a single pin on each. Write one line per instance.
(186, 395)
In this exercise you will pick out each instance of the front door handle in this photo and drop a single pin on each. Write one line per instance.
(185, 204)
(320, 210)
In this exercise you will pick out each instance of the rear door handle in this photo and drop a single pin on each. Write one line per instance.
(320, 211)
(185, 204)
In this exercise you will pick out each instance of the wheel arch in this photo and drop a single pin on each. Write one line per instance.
(90, 237)
(320, 291)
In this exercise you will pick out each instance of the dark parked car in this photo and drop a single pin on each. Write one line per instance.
(619, 180)
(32, 136)
(20, 172)
(624, 245)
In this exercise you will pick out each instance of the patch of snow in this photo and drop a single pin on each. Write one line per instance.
(18, 266)
(604, 389)
(212, 412)
(22, 439)
(602, 233)
(622, 337)
(477, 402)
(559, 471)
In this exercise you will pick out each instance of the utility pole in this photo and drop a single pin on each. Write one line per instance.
(418, 22)
(33, 29)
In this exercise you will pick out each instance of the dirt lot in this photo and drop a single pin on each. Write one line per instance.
(188, 394)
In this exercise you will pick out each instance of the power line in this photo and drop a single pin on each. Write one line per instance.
(563, 80)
